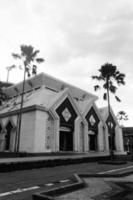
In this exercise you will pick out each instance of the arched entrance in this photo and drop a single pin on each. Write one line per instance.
(67, 116)
(0, 128)
(1, 138)
(9, 128)
(92, 120)
(111, 131)
(66, 139)
(92, 138)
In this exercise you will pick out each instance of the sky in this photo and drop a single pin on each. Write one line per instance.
(75, 37)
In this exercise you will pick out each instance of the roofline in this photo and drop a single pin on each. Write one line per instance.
(76, 87)
(56, 79)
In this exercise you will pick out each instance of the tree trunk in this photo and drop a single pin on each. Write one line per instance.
(20, 112)
(111, 136)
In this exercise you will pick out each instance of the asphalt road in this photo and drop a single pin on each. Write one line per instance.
(11, 181)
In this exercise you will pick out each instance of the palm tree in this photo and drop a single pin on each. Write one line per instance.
(9, 68)
(121, 115)
(111, 78)
(28, 57)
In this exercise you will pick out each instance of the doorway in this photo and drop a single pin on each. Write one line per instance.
(112, 141)
(92, 142)
(66, 141)
(9, 128)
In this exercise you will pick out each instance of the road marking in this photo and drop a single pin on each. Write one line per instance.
(18, 191)
(30, 188)
(5, 194)
(63, 181)
(113, 170)
(49, 184)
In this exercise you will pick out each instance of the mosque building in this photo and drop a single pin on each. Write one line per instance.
(56, 117)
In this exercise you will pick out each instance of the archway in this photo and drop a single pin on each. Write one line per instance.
(92, 140)
(93, 121)
(66, 139)
(111, 131)
(1, 137)
(9, 128)
(67, 116)
(0, 128)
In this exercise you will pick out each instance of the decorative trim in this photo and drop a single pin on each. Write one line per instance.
(24, 110)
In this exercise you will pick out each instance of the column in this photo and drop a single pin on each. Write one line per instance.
(119, 140)
(76, 135)
(100, 138)
(106, 135)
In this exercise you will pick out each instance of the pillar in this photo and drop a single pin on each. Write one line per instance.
(100, 138)
(76, 135)
(86, 138)
(119, 140)
(106, 136)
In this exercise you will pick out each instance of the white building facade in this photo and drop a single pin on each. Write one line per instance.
(56, 117)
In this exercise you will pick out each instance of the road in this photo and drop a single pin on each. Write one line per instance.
(11, 181)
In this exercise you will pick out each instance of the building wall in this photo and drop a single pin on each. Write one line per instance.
(119, 140)
(36, 135)
(40, 133)
(27, 135)
(128, 139)
(43, 133)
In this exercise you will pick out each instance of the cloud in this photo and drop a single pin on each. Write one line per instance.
(74, 36)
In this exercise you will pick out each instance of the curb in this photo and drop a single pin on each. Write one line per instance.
(112, 162)
(80, 183)
(52, 193)
(106, 175)
(25, 165)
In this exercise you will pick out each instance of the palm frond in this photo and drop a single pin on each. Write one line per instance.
(105, 86)
(40, 60)
(34, 54)
(121, 112)
(118, 99)
(34, 70)
(26, 50)
(105, 96)
(112, 89)
(16, 56)
(107, 70)
(96, 87)
(120, 79)
(122, 116)
(28, 56)
(28, 71)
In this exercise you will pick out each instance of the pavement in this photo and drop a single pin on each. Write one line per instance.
(22, 184)
(49, 160)
(53, 157)
(100, 184)
(104, 188)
